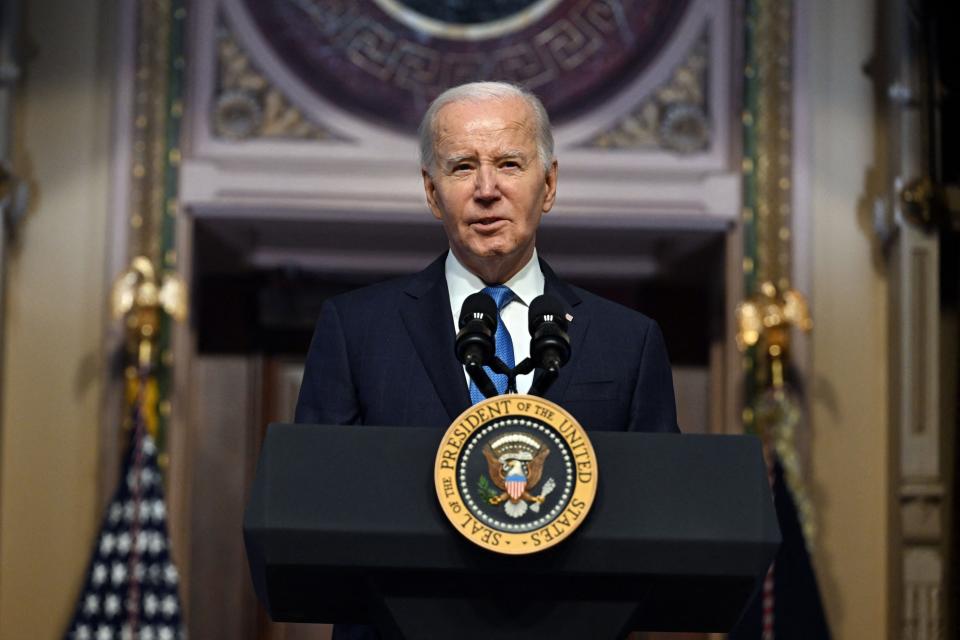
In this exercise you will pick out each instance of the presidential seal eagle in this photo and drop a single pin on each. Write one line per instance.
(515, 464)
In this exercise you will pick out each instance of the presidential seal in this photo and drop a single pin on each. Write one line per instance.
(515, 474)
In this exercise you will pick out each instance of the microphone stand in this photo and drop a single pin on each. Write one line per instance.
(481, 379)
(540, 383)
(543, 382)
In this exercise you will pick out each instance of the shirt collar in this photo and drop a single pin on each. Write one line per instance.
(527, 284)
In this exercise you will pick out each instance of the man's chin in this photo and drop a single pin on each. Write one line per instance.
(493, 263)
(491, 253)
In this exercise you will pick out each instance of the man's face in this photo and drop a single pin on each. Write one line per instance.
(488, 185)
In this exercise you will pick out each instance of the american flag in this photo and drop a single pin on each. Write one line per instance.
(788, 607)
(131, 587)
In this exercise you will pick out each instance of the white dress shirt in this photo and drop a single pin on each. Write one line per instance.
(526, 285)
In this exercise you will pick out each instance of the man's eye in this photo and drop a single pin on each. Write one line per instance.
(510, 164)
(462, 167)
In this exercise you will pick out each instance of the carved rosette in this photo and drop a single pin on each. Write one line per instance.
(247, 105)
(673, 117)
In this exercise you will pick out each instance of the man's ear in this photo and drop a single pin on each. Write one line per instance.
(550, 182)
(430, 190)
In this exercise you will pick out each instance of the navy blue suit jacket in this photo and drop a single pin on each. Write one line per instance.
(384, 355)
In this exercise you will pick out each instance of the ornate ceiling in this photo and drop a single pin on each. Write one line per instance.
(385, 60)
(308, 108)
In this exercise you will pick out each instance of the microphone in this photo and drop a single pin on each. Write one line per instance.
(478, 323)
(549, 342)
(475, 343)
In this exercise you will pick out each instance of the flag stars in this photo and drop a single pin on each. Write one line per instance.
(169, 606)
(143, 539)
(147, 478)
(118, 574)
(111, 605)
(157, 544)
(125, 553)
(150, 605)
(107, 542)
(159, 512)
(123, 543)
(99, 575)
(91, 605)
(116, 512)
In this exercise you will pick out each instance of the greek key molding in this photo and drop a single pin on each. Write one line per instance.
(394, 59)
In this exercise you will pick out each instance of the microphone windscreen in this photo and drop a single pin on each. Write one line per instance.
(479, 306)
(546, 308)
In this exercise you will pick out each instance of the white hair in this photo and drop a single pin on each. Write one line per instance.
(478, 92)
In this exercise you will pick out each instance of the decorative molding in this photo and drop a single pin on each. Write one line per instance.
(383, 60)
(920, 478)
(923, 613)
(766, 168)
(151, 103)
(919, 435)
(154, 206)
(470, 21)
(369, 176)
(150, 157)
(675, 117)
(247, 105)
(772, 404)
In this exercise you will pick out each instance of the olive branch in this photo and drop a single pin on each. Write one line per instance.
(485, 489)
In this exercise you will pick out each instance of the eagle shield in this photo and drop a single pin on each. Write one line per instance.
(515, 464)
(516, 481)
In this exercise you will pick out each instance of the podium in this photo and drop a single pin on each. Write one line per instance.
(343, 525)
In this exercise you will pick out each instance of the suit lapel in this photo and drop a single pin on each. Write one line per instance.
(577, 329)
(426, 316)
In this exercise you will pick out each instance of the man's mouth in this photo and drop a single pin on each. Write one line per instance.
(488, 223)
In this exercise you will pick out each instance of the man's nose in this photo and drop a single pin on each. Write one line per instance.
(487, 188)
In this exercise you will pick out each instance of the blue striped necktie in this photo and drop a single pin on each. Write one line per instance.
(502, 295)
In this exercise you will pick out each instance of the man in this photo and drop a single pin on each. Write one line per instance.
(384, 355)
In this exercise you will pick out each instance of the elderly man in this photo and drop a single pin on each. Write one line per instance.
(384, 355)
